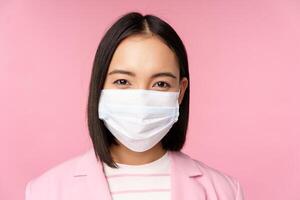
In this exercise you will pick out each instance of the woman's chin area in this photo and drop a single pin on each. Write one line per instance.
(121, 154)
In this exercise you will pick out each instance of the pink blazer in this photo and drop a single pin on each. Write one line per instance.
(82, 178)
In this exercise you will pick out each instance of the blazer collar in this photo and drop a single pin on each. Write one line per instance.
(181, 161)
(91, 171)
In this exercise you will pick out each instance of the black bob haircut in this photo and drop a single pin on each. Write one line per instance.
(133, 23)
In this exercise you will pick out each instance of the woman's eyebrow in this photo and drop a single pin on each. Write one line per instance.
(120, 71)
(169, 74)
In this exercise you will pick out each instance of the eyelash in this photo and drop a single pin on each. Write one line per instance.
(167, 85)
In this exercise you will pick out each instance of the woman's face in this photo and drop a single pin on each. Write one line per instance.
(145, 62)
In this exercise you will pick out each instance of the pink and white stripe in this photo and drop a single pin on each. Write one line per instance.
(136, 182)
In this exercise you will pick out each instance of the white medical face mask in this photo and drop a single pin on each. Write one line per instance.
(138, 118)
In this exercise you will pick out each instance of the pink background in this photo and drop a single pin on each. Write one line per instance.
(244, 66)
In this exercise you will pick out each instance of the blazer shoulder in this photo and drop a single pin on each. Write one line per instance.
(220, 180)
(214, 173)
(62, 169)
(53, 177)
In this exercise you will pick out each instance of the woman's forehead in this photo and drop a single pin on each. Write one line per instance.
(144, 52)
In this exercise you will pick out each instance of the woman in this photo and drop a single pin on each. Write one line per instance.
(138, 111)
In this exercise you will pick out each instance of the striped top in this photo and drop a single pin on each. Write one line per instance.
(136, 182)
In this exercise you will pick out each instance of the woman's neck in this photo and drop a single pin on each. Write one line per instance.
(123, 155)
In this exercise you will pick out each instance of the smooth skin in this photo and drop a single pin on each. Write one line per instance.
(143, 62)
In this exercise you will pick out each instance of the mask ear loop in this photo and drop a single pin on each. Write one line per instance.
(178, 96)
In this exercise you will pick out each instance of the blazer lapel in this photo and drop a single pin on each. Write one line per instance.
(90, 180)
(184, 182)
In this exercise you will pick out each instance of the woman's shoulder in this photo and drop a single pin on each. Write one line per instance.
(56, 175)
(210, 176)
(63, 168)
(203, 167)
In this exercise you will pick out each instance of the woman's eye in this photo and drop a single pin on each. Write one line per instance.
(121, 82)
(162, 84)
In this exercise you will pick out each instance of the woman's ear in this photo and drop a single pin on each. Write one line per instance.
(183, 85)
